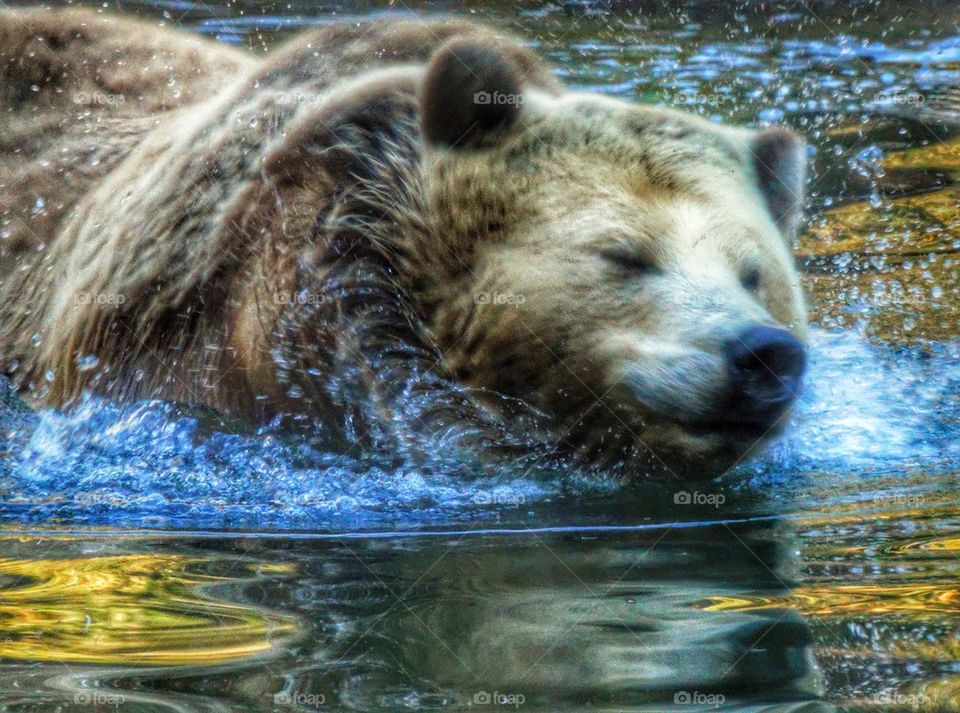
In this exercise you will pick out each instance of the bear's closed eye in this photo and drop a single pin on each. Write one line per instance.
(629, 261)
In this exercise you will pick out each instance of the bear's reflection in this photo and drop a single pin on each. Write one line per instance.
(616, 619)
(549, 620)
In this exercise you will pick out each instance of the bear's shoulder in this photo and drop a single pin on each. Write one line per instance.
(339, 51)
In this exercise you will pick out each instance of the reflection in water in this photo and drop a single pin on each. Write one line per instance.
(860, 604)
(939, 156)
(880, 594)
(924, 600)
(128, 609)
(573, 619)
(951, 544)
(556, 620)
(875, 267)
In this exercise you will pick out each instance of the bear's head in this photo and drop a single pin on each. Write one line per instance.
(625, 269)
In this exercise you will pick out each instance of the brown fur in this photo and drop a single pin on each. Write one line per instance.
(236, 244)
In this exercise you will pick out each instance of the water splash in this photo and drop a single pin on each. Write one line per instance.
(153, 465)
(871, 410)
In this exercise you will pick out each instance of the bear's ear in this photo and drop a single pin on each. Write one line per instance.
(779, 159)
(472, 91)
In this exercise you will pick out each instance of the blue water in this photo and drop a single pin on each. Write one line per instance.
(867, 411)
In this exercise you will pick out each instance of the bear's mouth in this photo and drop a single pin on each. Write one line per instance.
(711, 442)
(736, 430)
(705, 448)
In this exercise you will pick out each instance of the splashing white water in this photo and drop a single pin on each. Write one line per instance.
(869, 409)
(865, 411)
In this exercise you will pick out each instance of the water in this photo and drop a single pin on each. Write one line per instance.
(156, 559)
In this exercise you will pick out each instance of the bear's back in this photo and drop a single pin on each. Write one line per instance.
(165, 253)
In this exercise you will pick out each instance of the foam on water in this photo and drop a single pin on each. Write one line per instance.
(152, 465)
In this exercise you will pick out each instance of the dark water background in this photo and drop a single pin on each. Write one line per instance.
(151, 560)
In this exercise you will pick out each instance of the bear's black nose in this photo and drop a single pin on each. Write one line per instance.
(765, 368)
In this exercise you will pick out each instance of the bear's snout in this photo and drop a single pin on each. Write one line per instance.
(765, 368)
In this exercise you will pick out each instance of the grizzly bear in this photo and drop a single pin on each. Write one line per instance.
(392, 227)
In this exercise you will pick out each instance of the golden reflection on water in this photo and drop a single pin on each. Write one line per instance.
(907, 226)
(898, 264)
(950, 544)
(130, 609)
(943, 155)
(915, 600)
(899, 568)
(877, 584)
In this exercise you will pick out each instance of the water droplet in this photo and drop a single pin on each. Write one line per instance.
(87, 362)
